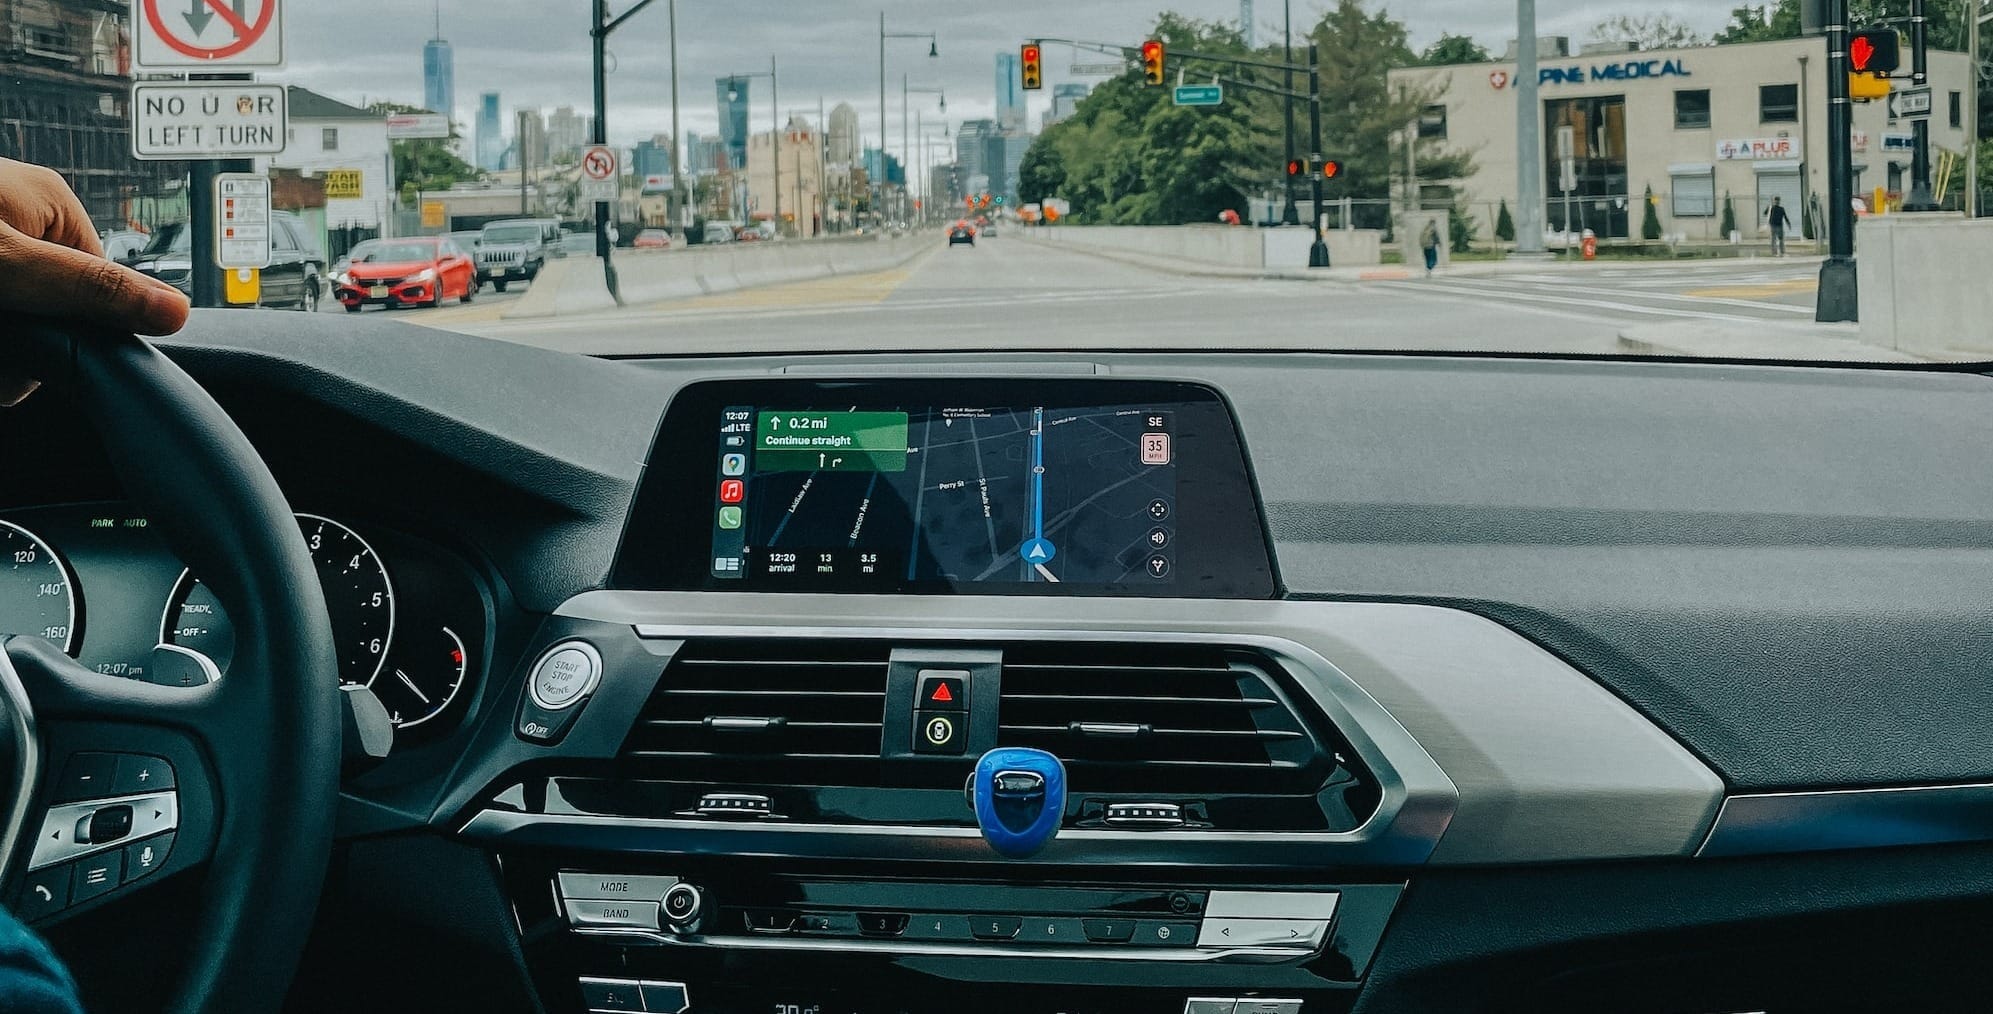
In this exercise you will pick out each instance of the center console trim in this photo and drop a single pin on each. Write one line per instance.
(1179, 955)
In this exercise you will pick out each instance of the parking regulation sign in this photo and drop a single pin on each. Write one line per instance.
(217, 34)
(242, 220)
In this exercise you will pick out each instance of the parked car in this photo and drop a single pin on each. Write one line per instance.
(719, 232)
(418, 271)
(123, 244)
(295, 277)
(652, 239)
(516, 249)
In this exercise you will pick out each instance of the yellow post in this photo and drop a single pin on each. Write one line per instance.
(244, 286)
(1879, 202)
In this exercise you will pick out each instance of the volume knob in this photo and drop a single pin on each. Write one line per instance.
(683, 904)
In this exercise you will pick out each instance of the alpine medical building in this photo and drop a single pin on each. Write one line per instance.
(1699, 124)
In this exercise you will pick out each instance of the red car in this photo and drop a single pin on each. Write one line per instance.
(418, 271)
(652, 239)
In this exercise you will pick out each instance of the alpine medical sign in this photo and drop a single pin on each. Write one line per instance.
(1754, 149)
(1630, 70)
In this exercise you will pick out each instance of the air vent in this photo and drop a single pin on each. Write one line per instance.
(1169, 718)
(787, 712)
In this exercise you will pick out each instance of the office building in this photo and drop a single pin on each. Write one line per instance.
(650, 161)
(798, 171)
(942, 187)
(843, 133)
(1246, 23)
(732, 94)
(971, 147)
(439, 77)
(1009, 92)
(568, 132)
(704, 154)
(887, 170)
(1011, 148)
(530, 142)
(490, 132)
(1700, 126)
(1066, 97)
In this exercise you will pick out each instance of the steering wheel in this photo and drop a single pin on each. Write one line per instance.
(252, 760)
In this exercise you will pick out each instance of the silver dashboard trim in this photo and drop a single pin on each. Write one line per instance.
(1774, 822)
(19, 715)
(1096, 952)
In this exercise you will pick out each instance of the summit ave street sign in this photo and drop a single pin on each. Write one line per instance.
(1200, 95)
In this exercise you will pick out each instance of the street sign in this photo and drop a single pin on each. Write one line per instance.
(1092, 69)
(1910, 102)
(242, 220)
(1567, 175)
(346, 183)
(173, 120)
(409, 126)
(1898, 140)
(1199, 95)
(434, 214)
(598, 174)
(217, 35)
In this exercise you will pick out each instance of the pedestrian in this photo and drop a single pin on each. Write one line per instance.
(1779, 220)
(1429, 242)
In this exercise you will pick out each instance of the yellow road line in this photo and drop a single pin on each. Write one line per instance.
(1789, 287)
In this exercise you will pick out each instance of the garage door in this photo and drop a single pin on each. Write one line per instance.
(1780, 180)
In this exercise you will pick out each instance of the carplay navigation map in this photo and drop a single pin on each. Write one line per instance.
(959, 495)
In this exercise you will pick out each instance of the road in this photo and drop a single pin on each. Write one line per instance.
(1013, 293)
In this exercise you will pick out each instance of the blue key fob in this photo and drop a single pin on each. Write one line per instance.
(1020, 797)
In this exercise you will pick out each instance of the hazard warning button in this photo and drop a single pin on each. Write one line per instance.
(942, 690)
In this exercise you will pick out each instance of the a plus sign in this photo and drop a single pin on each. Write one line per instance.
(144, 774)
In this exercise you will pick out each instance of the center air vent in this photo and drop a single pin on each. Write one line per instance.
(782, 711)
(1169, 718)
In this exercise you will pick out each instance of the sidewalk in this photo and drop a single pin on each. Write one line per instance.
(1801, 341)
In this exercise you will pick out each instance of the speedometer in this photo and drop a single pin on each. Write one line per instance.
(37, 595)
(358, 596)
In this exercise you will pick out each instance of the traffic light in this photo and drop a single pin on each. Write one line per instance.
(1873, 51)
(1033, 71)
(1297, 167)
(1152, 62)
(1332, 169)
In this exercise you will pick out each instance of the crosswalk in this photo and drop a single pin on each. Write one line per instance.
(1661, 292)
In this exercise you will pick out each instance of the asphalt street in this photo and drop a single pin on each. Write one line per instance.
(1008, 292)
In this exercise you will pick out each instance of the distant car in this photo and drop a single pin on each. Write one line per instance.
(987, 231)
(516, 249)
(124, 244)
(962, 234)
(294, 279)
(418, 271)
(717, 232)
(749, 235)
(652, 239)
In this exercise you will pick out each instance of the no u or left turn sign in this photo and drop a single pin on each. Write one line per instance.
(598, 174)
(214, 34)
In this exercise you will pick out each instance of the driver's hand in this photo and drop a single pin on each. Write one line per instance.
(52, 265)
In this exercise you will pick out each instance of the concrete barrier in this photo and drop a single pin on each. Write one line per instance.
(1220, 246)
(1921, 291)
(575, 285)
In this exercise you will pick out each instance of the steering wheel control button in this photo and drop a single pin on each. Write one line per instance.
(1165, 934)
(151, 814)
(1301, 934)
(106, 824)
(565, 675)
(610, 886)
(46, 892)
(96, 876)
(139, 773)
(87, 776)
(666, 997)
(1110, 931)
(143, 857)
(943, 690)
(940, 732)
(995, 927)
(612, 914)
(612, 995)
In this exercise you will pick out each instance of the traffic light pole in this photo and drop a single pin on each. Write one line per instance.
(1288, 215)
(1837, 299)
(1920, 198)
(1318, 252)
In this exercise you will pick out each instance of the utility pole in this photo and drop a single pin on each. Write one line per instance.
(1318, 252)
(599, 31)
(1920, 198)
(1288, 214)
(519, 142)
(678, 194)
(1973, 20)
(1837, 299)
(1529, 134)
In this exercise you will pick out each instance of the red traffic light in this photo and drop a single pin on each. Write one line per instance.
(1030, 67)
(1331, 168)
(1297, 167)
(1152, 62)
(1874, 51)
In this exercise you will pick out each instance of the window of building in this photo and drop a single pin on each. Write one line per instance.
(1957, 109)
(1692, 109)
(1432, 122)
(1692, 191)
(328, 139)
(1778, 103)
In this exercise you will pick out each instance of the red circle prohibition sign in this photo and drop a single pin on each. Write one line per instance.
(246, 34)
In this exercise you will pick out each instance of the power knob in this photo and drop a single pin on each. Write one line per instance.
(683, 904)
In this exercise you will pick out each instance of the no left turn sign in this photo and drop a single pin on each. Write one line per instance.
(211, 34)
(598, 174)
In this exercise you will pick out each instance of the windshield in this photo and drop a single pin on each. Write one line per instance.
(388, 253)
(502, 234)
(1197, 174)
(170, 238)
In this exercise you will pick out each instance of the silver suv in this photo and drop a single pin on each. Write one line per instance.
(515, 249)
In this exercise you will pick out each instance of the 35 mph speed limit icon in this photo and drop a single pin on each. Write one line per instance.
(212, 34)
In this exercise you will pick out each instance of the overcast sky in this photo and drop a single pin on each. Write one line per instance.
(536, 52)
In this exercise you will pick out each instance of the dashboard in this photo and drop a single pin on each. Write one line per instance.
(1463, 684)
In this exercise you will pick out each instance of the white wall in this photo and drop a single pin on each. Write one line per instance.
(363, 145)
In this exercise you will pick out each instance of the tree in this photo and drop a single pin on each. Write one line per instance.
(1452, 49)
(1659, 31)
(1729, 222)
(424, 163)
(1364, 113)
(1761, 23)
(1650, 221)
(1041, 174)
(1505, 225)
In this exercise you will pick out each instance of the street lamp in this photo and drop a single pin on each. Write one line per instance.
(774, 129)
(933, 52)
(906, 139)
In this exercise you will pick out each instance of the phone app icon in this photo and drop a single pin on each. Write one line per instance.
(730, 517)
(733, 464)
(732, 491)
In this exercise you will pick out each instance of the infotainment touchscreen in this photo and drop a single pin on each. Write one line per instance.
(1041, 487)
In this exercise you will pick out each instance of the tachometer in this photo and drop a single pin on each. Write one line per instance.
(358, 595)
(423, 677)
(37, 595)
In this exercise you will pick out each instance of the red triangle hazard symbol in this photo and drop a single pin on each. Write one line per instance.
(941, 693)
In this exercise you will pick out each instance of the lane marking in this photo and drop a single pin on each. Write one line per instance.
(1682, 297)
